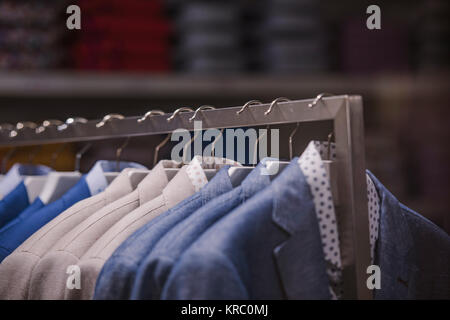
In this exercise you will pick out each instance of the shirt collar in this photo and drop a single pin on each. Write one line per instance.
(16, 175)
(96, 179)
(155, 181)
(195, 169)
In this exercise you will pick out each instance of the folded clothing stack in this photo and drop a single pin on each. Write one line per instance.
(208, 36)
(130, 35)
(32, 34)
(293, 37)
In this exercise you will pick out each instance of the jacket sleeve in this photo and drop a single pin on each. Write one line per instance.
(202, 275)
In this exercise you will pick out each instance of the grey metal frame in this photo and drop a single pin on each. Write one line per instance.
(345, 111)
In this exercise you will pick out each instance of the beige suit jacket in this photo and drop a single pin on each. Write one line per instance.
(179, 188)
(49, 277)
(16, 269)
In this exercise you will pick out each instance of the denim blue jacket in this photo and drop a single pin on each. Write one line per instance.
(155, 269)
(267, 248)
(117, 275)
(413, 254)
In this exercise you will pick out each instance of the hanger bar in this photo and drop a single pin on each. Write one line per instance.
(346, 112)
(254, 115)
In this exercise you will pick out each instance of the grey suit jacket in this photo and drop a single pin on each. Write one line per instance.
(16, 269)
(178, 189)
(49, 277)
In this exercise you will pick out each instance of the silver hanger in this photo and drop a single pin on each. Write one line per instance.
(48, 123)
(22, 126)
(205, 107)
(238, 174)
(119, 151)
(56, 154)
(71, 122)
(179, 110)
(150, 114)
(108, 118)
(79, 154)
(7, 157)
(319, 98)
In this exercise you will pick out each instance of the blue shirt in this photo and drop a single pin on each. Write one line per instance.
(117, 275)
(155, 269)
(15, 193)
(35, 206)
(16, 175)
(89, 185)
(267, 248)
(14, 203)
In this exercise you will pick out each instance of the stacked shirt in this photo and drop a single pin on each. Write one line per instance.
(294, 37)
(32, 34)
(123, 35)
(208, 37)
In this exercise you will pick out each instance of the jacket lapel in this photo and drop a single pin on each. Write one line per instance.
(299, 259)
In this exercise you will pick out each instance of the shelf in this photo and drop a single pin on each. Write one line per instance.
(72, 85)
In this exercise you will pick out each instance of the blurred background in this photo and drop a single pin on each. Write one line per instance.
(136, 55)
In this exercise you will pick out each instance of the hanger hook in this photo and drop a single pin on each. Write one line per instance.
(56, 154)
(275, 102)
(291, 138)
(108, 118)
(150, 114)
(119, 153)
(7, 157)
(158, 147)
(205, 107)
(6, 126)
(48, 123)
(80, 154)
(188, 144)
(255, 149)
(319, 98)
(72, 121)
(32, 155)
(179, 110)
(330, 136)
(213, 146)
(247, 104)
(21, 126)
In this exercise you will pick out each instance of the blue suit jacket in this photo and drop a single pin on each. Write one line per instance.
(13, 204)
(153, 272)
(267, 248)
(413, 254)
(117, 275)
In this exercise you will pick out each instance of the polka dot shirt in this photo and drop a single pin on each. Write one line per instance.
(311, 164)
(195, 169)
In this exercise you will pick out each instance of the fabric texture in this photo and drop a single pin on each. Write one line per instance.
(412, 252)
(186, 182)
(155, 269)
(16, 269)
(90, 264)
(267, 248)
(117, 275)
(48, 278)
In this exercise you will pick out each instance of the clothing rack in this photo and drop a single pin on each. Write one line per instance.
(345, 112)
